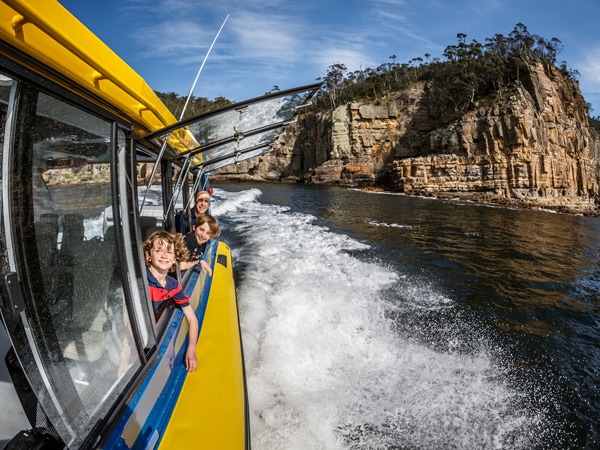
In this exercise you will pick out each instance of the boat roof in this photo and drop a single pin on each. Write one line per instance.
(49, 33)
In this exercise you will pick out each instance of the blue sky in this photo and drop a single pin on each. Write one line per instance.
(289, 43)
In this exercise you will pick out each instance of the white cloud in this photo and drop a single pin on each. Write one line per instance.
(267, 37)
(172, 38)
(590, 68)
(353, 58)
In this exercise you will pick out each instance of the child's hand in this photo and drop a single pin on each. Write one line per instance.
(185, 265)
(204, 267)
(191, 361)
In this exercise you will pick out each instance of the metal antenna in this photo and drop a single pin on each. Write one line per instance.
(164, 146)
(200, 70)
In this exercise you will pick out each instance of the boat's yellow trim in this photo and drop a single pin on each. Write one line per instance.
(49, 33)
(211, 410)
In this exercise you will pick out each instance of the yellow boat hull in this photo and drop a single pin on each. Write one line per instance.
(211, 411)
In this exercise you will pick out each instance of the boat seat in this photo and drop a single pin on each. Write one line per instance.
(147, 222)
(110, 235)
(85, 338)
(72, 234)
(151, 230)
(46, 235)
(73, 231)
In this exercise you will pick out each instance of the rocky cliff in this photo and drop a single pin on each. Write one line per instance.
(532, 148)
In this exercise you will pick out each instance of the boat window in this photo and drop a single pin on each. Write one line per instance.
(68, 261)
(239, 131)
(150, 196)
(133, 255)
(152, 199)
(6, 85)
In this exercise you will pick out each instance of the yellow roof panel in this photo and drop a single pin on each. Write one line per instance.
(49, 33)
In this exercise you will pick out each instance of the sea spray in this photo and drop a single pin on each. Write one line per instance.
(328, 365)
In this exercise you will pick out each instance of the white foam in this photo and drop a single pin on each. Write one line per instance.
(232, 201)
(325, 367)
(389, 225)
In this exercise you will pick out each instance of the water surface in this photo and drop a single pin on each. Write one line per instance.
(374, 320)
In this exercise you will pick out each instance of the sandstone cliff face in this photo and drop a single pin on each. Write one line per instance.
(534, 148)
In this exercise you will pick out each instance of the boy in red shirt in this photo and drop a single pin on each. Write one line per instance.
(161, 251)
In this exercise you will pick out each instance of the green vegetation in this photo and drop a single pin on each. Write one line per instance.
(196, 105)
(468, 74)
(595, 124)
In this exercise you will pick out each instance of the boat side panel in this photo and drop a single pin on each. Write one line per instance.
(211, 411)
(149, 410)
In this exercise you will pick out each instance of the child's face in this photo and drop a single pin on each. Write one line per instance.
(202, 233)
(162, 255)
(202, 203)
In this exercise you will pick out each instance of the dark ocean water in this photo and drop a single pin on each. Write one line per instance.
(373, 320)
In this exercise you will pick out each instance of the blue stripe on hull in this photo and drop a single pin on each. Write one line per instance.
(165, 379)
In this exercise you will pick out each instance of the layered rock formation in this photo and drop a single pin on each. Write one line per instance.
(534, 148)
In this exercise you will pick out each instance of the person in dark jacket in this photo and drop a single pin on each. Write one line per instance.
(202, 201)
(205, 227)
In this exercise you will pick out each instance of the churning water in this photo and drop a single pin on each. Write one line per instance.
(380, 321)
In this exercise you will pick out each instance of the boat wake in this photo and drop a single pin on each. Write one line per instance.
(342, 352)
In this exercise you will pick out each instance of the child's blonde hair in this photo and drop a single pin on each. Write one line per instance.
(213, 225)
(199, 194)
(164, 237)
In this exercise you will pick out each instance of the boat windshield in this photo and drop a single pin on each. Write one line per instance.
(237, 132)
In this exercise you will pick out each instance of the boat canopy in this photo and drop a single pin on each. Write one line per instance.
(50, 34)
(234, 133)
(207, 142)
